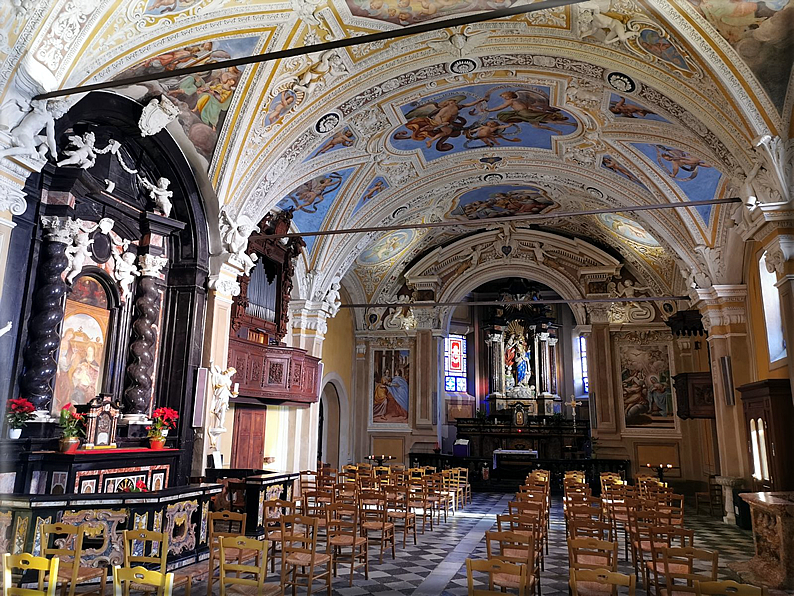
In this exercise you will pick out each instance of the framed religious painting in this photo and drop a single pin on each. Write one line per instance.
(645, 383)
(391, 378)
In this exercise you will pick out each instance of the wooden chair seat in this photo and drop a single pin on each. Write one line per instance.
(645, 545)
(401, 514)
(179, 580)
(267, 590)
(674, 567)
(592, 589)
(83, 573)
(513, 582)
(347, 540)
(245, 554)
(305, 559)
(594, 560)
(377, 526)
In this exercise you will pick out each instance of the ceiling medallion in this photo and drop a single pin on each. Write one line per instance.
(463, 66)
(492, 177)
(621, 82)
(328, 122)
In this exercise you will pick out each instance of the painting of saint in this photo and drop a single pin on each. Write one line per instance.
(203, 98)
(645, 380)
(501, 201)
(482, 116)
(625, 108)
(81, 355)
(390, 397)
(657, 45)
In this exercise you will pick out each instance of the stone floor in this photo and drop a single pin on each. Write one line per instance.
(436, 565)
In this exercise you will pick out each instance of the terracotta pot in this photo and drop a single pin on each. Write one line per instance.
(156, 444)
(69, 444)
(14, 433)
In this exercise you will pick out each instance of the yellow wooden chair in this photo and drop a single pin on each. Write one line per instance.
(149, 539)
(25, 562)
(242, 578)
(728, 588)
(162, 583)
(67, 545)
(301, 558)
(606, 582)
(223, 524)
(496, 569)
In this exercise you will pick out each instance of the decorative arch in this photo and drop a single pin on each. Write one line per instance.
(345, 446)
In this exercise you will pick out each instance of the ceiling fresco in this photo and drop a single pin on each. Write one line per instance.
(412, 12)
(377, 186)
(481, 116)
(500, 201)
(387, 247)
(761, 33)
(627, 228)
(623, 107)
(610, 163)
(339, 140)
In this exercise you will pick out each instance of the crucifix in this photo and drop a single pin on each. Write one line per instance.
(573, 403)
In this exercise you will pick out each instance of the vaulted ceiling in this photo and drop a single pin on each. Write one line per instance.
(602, 104)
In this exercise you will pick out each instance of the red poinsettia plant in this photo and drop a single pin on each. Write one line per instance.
(162, 419)
(71, 422)
(140, 487)
(18, 412)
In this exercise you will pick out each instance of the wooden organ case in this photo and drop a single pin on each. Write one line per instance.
(267, 370)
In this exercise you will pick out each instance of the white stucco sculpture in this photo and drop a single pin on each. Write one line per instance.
(125, 271)
(26, 139)
(597, 14)
(222, 393)
(83, 155)
(332, 300)
(156, 115)
(234, 236)
(159, 194)
(77, 255)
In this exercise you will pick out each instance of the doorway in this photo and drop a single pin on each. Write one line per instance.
(248, 446)
(328, 437)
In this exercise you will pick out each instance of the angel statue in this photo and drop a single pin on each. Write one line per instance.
(626, 289)
(597, 14)
(77, 255)
(234, 236)
(84, 153)
(327, 63)
(125, 270)
(159, 193)
(25, 137)
(332, 299)
(222, 393)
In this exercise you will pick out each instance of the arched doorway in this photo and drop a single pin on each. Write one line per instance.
(328, 431)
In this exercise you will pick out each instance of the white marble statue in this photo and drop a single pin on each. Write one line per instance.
(234, 236)
(159, 193)
(25, 137)
(84, 153)
(77, 255)
(327, 63)
(332, 299)
(125, 271)
(597, 14)
(222, 384)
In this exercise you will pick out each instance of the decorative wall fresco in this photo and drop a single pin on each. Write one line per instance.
(626, 228)
(481, 116)
(661, 47)
(311, 201)
(410, 12)
(645, 386)
(165, 7)
(501, 200)
(610, 163)
(626, 108)
(387, 247)
(390, 395)
(339, 140)
(203, 99)
(761, 32)
(697, 178)
(377, 186)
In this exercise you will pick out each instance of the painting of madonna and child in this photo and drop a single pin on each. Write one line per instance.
(391, 381)
(645, 380)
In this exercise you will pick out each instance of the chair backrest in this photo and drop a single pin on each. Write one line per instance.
(299, 535)
(238, 573)
(343, 520)
(163, 582)
(512, 547)
(224, 523)
(578, 512)
(25, 562)
(680, 567)
(728, 588)
(372, 506)
(590, 528)
(147, 539)
(493, 567)
(521, 524)
(610, 579)
(272, 511)
(64, 541)
(592, 553)
(531, 509)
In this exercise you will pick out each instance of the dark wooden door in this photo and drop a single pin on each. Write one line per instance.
(248, 443)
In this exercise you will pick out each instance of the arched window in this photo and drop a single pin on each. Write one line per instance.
(772, 314)
(84, 344)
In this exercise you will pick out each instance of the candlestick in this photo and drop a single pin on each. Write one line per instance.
(236, 388)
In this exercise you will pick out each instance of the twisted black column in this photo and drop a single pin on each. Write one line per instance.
(43, 336)
(142, 348)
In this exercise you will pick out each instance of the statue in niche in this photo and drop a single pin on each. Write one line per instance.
(522, 363)
(518, 370)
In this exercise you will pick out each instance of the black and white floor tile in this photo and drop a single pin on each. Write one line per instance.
(435, 566)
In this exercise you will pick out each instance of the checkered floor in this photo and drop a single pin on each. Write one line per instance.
(436, 565)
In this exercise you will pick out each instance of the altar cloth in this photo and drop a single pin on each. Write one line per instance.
(532, 453)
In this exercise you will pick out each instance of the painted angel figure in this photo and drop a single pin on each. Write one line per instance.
(159, 193)
(125, 271)
(84, 153)
(25, 137)
(222, 383)
(77, 255)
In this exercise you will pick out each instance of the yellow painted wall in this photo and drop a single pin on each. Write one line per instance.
(338, 348)
(757, 326)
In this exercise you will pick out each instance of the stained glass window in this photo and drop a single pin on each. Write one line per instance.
(583, 361)
(455, 364)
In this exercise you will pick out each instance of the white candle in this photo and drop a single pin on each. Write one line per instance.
(237, 388)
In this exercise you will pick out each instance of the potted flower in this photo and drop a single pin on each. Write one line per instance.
(71, 423)
(163, 419)
(18, 412)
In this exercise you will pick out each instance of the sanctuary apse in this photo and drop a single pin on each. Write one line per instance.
(247, 245)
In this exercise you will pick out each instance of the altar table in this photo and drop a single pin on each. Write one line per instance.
(526, 453)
